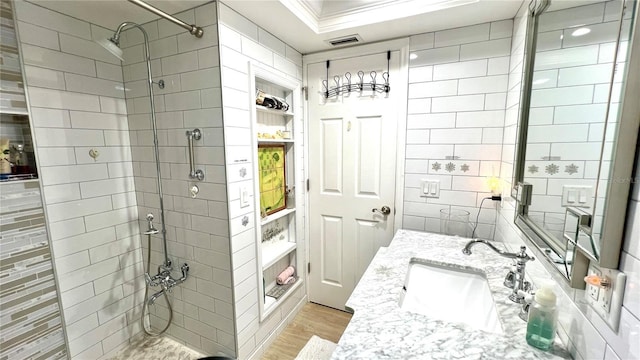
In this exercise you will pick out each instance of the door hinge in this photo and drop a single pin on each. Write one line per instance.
(305, 93)
(394, 211)
(308, 268)
(307, 184)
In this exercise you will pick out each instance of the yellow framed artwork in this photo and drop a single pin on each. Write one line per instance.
(272, 177)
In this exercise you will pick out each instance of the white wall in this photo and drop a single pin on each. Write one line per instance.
(197, 229)
(516, 68)
(77, 103)
(241, 42)
(586, 336)
(456, 109)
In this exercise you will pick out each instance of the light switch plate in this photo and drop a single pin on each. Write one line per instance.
(430, 188)
(577, 196)
(244, 197)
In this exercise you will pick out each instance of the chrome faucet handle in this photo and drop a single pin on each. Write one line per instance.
(524, 311)
(522, 256)
(526, 304)
(510, 279)
(147, 279)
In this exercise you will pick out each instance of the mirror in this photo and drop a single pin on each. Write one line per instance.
(571, 128)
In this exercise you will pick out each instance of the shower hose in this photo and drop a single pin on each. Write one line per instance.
(145, 305)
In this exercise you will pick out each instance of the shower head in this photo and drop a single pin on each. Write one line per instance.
(111, 45)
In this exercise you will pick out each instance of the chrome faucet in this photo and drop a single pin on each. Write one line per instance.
(165, 281)
(514, 279)
(155, 296)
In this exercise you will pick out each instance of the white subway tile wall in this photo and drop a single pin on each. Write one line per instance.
(77, 101)
(241, 42)
(197, 229)
(457, 95)
(587, 337)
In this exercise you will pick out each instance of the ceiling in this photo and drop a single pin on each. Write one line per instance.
(306, 25)
(380, 20)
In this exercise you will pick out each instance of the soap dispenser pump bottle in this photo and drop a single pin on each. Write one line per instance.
(543, 316)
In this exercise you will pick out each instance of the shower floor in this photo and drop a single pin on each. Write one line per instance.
(157, 348)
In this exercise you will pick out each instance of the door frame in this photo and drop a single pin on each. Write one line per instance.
(400, 45)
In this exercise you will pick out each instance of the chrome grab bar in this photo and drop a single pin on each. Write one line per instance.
(194, 173)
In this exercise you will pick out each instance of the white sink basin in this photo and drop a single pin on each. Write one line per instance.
(450, 294)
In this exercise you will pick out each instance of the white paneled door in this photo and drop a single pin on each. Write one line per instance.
(352, 171)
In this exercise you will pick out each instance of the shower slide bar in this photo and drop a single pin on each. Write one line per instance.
(193, 29)
(194, 173)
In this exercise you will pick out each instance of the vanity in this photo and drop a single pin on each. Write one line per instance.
(381, 328)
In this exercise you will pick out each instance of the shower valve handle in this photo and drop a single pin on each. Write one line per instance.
(147, 279)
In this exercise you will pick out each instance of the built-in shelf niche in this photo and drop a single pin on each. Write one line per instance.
(277, 233)
(16, 148)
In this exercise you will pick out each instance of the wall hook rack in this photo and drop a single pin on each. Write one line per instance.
(360, 86)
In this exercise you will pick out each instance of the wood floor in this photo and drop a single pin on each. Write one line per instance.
(313, 319)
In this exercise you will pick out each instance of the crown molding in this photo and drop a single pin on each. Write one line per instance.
(367, 14)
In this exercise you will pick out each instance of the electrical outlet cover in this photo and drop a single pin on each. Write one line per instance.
(592, 290)
(609, 300)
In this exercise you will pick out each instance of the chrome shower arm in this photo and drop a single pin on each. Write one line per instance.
(116, 35)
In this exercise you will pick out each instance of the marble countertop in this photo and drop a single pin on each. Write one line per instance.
(379, 329)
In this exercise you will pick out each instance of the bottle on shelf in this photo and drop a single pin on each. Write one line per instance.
(20, 160)
(270, 101)
(264, 99)
(5, 159)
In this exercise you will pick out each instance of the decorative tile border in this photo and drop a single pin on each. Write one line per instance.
(555, 169)
(454, 167)
(30, 323)
(12, 98)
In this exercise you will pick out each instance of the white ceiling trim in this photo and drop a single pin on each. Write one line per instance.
(367, 15)
(303, 12)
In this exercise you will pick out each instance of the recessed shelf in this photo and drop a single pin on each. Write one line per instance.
(12, 178)
(275, 216)
(270, 303)
(281, 250)
(275, 251)
(271, 141)
(18, 181)
(267, 110)
(14, 112)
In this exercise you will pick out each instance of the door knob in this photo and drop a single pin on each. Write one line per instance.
(385, 210)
